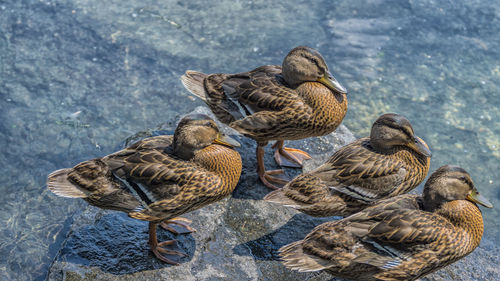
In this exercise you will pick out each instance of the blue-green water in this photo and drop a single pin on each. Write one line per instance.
(79, 76)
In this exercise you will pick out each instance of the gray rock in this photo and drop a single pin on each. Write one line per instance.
(237, 238)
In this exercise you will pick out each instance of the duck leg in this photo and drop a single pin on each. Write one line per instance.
(182, 222)
(268, 177)
(289, 157)
(157, 248)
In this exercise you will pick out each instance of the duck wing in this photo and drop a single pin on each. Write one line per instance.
(96, 182)
(264, 102)
(394, 235)
(165, 185)
(399, 236)
(359, 172)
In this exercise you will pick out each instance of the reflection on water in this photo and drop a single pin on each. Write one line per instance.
(78, 77)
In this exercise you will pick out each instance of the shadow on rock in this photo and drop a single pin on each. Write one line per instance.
(119, 245)
(267, 246)
(250, 186)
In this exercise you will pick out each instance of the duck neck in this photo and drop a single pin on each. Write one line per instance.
(317, 94)
(417, 158)
(328, 108)
(380, 146)
(464, 215)
(223, 161)
(403, 152)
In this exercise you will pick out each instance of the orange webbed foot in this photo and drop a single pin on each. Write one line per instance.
(183, 223)
(158, 248)
(274, 176)
(289, 157)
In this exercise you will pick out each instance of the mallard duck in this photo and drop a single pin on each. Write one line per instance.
(158, 178)
(391, 161)
(297, 100)
(400, 238)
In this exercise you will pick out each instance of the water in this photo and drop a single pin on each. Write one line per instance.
(118, 63)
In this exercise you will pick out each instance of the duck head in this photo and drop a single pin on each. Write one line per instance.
(449, 183)
(304, 64)
(195, 132)
(391, 130)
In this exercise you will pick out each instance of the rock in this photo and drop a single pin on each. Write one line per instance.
(236, 239)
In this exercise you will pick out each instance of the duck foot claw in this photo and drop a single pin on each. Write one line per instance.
(274, 176)
(289, 157)
(158, 248)
(268, 177)
(183, 223)
(158, 251)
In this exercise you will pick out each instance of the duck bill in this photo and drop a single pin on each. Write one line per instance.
(421, 147)
(475, 197)
(227, 141)
(332, 83)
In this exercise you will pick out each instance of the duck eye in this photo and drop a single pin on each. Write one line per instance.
(464, 179)
(314, 60)
(211, 125)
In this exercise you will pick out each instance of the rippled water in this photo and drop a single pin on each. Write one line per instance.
(79, 76)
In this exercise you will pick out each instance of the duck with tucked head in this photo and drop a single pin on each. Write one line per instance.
(400, 238)
(158, 178)
(297, 100)
(390, 162)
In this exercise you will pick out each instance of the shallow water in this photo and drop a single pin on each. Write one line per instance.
(78, 77)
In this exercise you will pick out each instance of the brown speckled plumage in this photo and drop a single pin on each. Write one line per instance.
(210, 176)
(283, 113)
(269, 103)
(151, 181)
(400, 238)
(360, 173)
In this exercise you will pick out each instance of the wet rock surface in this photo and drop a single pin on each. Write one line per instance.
(236, 239)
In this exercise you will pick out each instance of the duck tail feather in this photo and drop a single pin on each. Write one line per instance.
(58, 183)
(294, 257)
(279, 197)
(193, 81)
